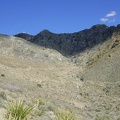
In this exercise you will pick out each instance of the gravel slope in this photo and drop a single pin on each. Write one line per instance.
(90, 89)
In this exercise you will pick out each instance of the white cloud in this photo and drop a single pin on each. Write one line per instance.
(104, 19)
(111, 14)
(109, 17)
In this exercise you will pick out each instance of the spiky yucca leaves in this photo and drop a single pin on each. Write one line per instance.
(18, 111)
(65, 115)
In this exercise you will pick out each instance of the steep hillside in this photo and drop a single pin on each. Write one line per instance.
(29, 72)
(104, 63)
(87, 81)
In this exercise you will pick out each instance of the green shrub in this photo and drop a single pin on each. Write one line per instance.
(2, 75)
(18, 111)
(39, 85)
(65, 115)
(40, 102)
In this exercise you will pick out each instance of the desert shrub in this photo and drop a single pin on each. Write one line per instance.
(18, 111)
(90, 62)
(65, 115)
(40, 111)
(103, 118)
(82, 79)
(39, 85)
(3, 75)
(40, 102)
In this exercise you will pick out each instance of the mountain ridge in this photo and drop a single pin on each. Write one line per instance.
(70, 44)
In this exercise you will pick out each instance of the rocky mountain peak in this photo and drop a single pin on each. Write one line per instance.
(98, 26)
(74, 43)
(44, 32)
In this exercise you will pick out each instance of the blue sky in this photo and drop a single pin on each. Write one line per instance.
(58, 16)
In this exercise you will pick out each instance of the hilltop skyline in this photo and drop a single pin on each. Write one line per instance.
(57, 16)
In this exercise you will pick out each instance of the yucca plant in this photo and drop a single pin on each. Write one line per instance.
(18, 111)
(65, 115)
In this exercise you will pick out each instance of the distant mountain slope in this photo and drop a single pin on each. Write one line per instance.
(18, 47)
(74, 43)
(105, 61)
(24, 36)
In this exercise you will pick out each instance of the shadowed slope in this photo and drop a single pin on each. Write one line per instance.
(74, 43)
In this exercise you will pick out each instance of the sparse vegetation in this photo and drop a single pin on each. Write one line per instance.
(82, 79)
(40, 102)
(3, 75)
(90, 62)
(39, 85)
(41, 112)
(103, 118)
(65, 115)
(18, 111)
